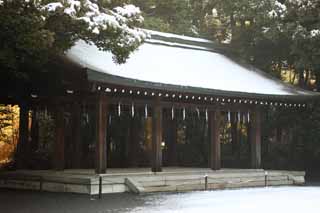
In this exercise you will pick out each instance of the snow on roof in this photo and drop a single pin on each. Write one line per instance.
(158, 62)
(175, 36)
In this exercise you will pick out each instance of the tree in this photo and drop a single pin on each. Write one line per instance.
(33, 32)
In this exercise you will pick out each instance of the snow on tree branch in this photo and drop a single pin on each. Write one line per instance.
(102, 19)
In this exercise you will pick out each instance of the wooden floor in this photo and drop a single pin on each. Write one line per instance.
(142, 180)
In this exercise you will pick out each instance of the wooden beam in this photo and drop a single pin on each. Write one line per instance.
(59, 149)
(156, 162)
(101, 133)
(214, 137)
(255, 139)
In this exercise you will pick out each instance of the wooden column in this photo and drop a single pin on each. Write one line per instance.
(255, 139)
(101, 133)
(34, 130)
(172, 142)
(59, 161)
(76, 135)
(156, 161)
(22, 147)
(214, 137)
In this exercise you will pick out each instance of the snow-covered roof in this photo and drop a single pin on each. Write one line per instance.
(177, 65)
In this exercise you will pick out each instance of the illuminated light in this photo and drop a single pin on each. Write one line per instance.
(205, 98)
(180, 96)
(34, 96)
(256, 102)
(246, 101)
(152, 94)
(240, 101)
(211, 99)
(222, 99)
(123, 91)
(160, 94)
(251, 102)
(115, 90)
(163, 144)
(130, 92)
(187, 97)
(173, 96)
(229, 100)
(138, 92)
(199, 98)
(234, 101)
(167, 95)
(99, 88)
(192, 97)
(145, 93)
(217, 99)
(70, 91)
(108, 90)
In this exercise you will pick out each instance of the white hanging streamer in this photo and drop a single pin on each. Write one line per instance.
(248, 115)
(198, 112)
(110, 119)
(244, 118)
(132, 109)
(146, 111)
(119, 109)
(206, 114)
(239, 117)
(229, 116)
(172, 113)
(184, 113)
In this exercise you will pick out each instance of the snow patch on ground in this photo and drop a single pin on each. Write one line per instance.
(262, 200)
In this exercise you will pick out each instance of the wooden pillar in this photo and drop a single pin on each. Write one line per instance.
(101, 133)
(59, 147)
(34, 130)
(22, 147)
(255, 139)
(156, 157)
(214, 137)
(133, 143)
(234, 133)
(76, 135)
(172, 142)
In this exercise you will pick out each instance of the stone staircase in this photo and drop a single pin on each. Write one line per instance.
(211, 181)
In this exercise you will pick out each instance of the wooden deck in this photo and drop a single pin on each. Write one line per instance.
(142, 180)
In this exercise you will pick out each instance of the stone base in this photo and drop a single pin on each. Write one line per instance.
(144, 181)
